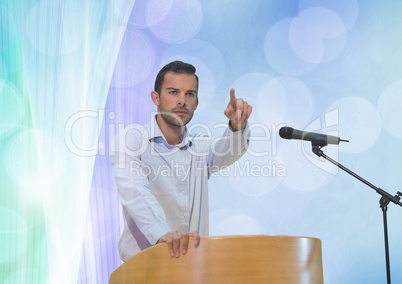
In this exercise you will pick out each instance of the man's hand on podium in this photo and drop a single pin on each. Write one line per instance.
(175, 238)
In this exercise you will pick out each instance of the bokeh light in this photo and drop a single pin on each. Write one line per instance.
(11, 108)
(359, 122)
(389, 107)
(317, 35)
(174, 21)
(284, 100)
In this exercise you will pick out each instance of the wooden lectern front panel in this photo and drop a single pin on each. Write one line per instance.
(229, 259)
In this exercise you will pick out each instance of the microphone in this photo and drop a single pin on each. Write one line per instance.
(316, 139)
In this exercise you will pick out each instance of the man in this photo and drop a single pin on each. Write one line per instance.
(162, 171)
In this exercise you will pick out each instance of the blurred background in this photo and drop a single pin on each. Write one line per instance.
(73, 73)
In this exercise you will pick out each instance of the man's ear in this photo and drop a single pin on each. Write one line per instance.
(155, 98)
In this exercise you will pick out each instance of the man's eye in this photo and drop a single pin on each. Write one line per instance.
(191, 94)
(173, 92)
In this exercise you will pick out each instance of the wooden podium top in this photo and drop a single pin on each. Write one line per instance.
(229, 259)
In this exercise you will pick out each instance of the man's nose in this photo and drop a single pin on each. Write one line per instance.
(181, 100)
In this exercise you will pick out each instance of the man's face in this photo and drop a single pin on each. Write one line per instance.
(178, 98)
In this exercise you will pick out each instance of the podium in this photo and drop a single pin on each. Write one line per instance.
(229, 259)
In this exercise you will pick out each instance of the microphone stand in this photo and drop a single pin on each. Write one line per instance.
(384, 200)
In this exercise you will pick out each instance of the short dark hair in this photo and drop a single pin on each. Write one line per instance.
(177, 67)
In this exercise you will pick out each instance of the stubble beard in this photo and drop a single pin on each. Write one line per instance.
(174, 120)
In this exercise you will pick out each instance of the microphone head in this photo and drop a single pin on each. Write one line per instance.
(286, 132)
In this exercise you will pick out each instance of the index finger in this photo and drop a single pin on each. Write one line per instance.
(232, 94)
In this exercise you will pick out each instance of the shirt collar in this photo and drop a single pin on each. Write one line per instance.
(156, 135)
